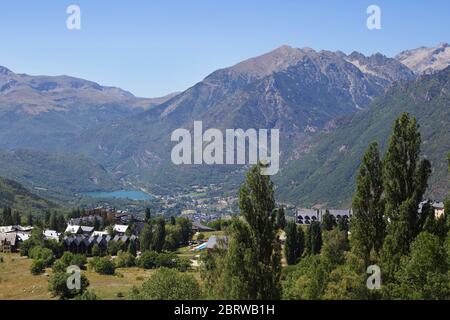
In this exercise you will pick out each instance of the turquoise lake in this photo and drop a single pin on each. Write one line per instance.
(122, 194)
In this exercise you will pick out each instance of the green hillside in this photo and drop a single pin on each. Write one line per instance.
(55, 176)
(325, 173)
(14, 195)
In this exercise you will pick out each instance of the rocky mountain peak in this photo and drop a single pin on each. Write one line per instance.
(426, 59)
(4, 71)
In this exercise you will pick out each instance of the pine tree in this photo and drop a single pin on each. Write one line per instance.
(159, 235)
(295, 243)
(7, 218)
(367, 223)
(16, 218)
(96, 224)
(30, 220)
(313, 242)
(281, 218)
(328, 221)
(132, 248)
(61, 224)
(46, 217)
(146, 238)
(147, 215)
(53, 221)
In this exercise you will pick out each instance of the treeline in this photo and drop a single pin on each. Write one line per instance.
(329, 260)
(50, 220)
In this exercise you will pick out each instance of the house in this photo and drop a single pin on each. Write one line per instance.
(8, 229)
(438, 209)
(437, 206)
(120, 229)
(73, 229)
(51, 235)
(83, 244)
(76, 229)
(8, 242)
(306, 216)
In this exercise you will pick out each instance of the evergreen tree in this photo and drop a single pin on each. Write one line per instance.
(147, 215)
(257, 206)
(7, 218)
(328, 221)
(281, 218)
(313, 242)
(53, 221)
(30, 219)
(47, 217)
(96, 224)
(295, 243)
(173, 221)
(159, 235)
(132, 248)
(405, 181)
(61, 223)
(251, 267)
(423, 273)
(367, 223)
(16, 218)
(146, 238)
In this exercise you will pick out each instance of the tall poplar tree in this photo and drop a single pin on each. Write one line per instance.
(251, 267)
(281, 218)
(295, 243)
(367, 223)
(146, 238)
(405, 180)
(159, 235)
(257, 206)
(313, 242)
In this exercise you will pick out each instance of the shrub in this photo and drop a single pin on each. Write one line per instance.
(59, 266)
(105, 266)
(125, 260)
(148, 260)
(183, 264)
(56, 247)
(96, 252)
(57, 285)
(37, 267)
(44, 254)
(67, 258)
(113, 248)
(79, 260)
(168, 284)
(167, 260)
(201, 236)
(93, 262)
(87, 295)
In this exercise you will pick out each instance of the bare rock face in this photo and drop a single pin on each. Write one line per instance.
(426, 60)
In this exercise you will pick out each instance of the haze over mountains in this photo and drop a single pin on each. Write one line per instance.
(302, 92)
(44, 112)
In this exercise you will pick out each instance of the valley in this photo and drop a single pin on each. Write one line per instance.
(63, 137)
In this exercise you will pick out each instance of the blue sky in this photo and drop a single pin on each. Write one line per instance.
(153, 47)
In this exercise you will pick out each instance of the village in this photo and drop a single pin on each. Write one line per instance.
(83, 232)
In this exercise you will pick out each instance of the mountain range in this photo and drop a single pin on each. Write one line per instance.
(319, 100)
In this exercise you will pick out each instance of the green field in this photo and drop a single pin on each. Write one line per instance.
(17, 283)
